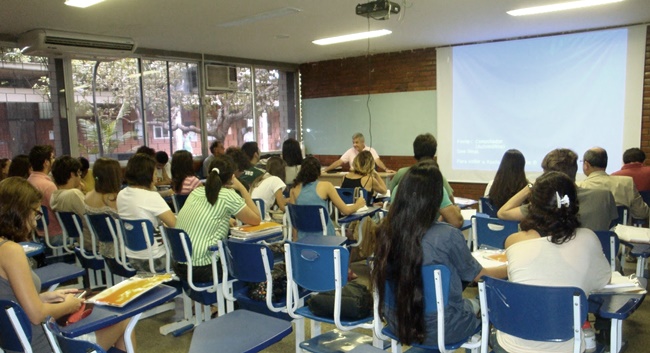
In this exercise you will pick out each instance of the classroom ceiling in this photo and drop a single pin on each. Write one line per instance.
(237, 28)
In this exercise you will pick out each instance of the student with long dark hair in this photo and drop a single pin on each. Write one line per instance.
(553, 250)
(184, 179)
(20, 166)
(308, 190)
(292, 154)
(411, 237)
(206, 215)
(509, 179)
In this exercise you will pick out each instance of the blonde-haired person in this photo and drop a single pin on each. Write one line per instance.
(20, 207)
(364, 175)
(270, 186)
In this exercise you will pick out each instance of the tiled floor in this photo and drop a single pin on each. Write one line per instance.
(636, 330)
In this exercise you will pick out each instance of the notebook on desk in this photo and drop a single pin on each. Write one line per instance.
(632, 234)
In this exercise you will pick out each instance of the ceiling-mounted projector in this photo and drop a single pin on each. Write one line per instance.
(378, 10)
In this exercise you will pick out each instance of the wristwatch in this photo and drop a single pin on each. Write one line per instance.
(530, 186)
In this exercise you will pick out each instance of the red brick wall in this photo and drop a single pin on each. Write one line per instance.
(407, 71)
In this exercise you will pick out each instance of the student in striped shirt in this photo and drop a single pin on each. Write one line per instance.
(205, 217)
(184, 179)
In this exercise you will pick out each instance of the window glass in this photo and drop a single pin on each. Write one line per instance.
(274, 102)
(108, 115)
(26, 105)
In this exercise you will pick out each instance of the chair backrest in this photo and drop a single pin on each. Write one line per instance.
(623, 215)
(429, 287)
(108, 230)
(491, 232)
(15, 327)
(70, 224)
(260, 206)
(537, 313)
(610, 243)
(246, 261)
(179, 201)
(435, 283)
(313, 267)
(485, 206)
(308, 218)
(180, 245)
(138, 236)
(347, 195)
(71, 345)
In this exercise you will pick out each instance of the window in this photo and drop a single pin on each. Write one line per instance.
(160, 132)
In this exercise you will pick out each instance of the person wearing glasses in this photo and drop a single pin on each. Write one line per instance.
(20, 207)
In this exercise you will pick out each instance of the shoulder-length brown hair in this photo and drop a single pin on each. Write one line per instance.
(17, 197)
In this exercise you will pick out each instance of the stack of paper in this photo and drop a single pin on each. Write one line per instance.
(264, 228)
(633, 234)
(622, 284)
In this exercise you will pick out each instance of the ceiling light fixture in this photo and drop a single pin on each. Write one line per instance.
(351, 37)
(559, 7)
(82, 3)
(283, 11)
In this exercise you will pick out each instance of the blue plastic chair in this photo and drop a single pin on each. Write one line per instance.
(435, 281)
(15, 327)
(261, 206)
(43, 226)
(485, 206)
(106, 229)
(70, 345)
(179, 201)
(320, 268)
(252, 263)
(491, 232)
(72, 228)
(138, 236)
(307, 218)
(610, 243)
(538, 313)
(203, 294)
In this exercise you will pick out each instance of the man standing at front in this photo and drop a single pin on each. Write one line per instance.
(358, 145)
(41, 158)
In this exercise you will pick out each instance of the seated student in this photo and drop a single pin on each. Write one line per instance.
(509, 179)
(242, 163)
(411, 237)
(66, 172)
(597, 207)
(41, 158)
(138, 201)
(308, 190)
(163, 169)
(20, 166)
(633, 160)
(216, 148)
(103, 198)
(5, 163)
(252, 151)
(292, 155)
(364, 175)
(270, 186)
(206, 214)
(553, 250)
(184, 179)
(19, 210)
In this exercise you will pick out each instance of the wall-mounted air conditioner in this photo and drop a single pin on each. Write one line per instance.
(45, 42)
(220, 78)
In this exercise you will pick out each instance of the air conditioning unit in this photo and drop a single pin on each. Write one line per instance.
(220, 78)
(45, 42)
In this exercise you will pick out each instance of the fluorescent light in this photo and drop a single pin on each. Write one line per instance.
(283, 11)
(559, 7)
(82, 3)
(351, 37)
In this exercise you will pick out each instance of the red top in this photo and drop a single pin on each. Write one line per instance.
(638, 172)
